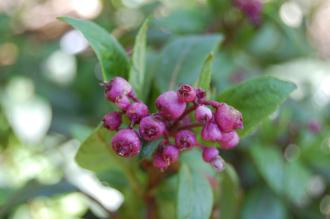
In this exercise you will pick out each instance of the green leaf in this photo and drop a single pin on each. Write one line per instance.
(230, 193)
(195, 197)
(137, 72)
(297, 177)
(94, 153)
(182, 59)
(204, 80)
(270, 164)
(257, 99)
(110, 53)
(261, 203)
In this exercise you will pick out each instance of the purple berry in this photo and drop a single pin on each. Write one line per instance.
(112, 120)
(218, 164)
(159, 162)
(151, 128)
(123, 103)
(170, 153)
(117, 88)
(210, 153)
(251, 8)
(211, 132)
(126, 143)
(228, 118)
(229, 140)
(137, 111)
(200, 93)
(186, 93)
(203, 114)
(185, 139)
(169, 105)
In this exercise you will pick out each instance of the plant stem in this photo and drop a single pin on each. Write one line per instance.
(188, 110)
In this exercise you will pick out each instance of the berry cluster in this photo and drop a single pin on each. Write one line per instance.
(172, 123)
(251, 8)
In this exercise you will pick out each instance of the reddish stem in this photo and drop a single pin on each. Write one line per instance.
(190, 126)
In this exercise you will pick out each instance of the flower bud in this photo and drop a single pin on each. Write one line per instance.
(218, 164)
(159, 162)
(136, 111)
(169, 106)
(203, 114)
(151, 128)
(123, 102)
(210, 153)
(112, 120)
(186, 93)
(185, 139)
(116, 88)
(228, 118)
(211, 132)
(126, 143)
(229, 140)
(170, 153)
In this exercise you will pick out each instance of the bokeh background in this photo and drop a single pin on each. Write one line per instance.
(50, 100)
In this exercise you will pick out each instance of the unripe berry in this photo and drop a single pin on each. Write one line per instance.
(151, 128)
(210, 153)
(218, 164)
(170, 153)
(116, 88)
(186, 93)
(136, 111)
(211, 132)
(185, 139)
(123, 103)
(203, 114)
(169, 106)
(229, 140)
(159, 162)
(126, 143)
(112, 120)
(228, 118)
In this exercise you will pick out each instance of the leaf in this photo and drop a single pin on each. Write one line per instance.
(194, 198)
(137, 72)
(270, 164)
(261, 203)
(257, 99)
(110, 53)
(205, 75)
(182, 59)
(230, 193)
(296, 181)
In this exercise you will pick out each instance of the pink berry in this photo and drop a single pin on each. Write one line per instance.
(210, 153)
(200, 94)
(137, 111)
(126, 143)
(169, 106)
(112, 120)
(203, 114)
(229, 140)
(186, 93)
(228, 118)
(116, 88)
(123, 103)
(159, 162)
(211, 132)
(185, 139)
(218, 164)
(151, 128)
(170, 153)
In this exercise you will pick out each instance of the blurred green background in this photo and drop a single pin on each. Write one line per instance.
(50, 100)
